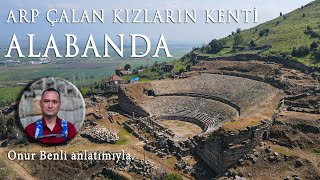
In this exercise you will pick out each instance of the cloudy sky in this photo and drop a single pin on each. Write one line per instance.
(199, 32)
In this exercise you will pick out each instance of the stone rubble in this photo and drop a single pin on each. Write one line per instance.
(100, 135)
(159, 140)
(95, 115)
(132, 165)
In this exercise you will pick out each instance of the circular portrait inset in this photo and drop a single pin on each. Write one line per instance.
(51, 110)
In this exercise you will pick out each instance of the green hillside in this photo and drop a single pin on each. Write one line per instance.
(293, 36)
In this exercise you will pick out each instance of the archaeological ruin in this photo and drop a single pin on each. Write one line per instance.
(209, 101)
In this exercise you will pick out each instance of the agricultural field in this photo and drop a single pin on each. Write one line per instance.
(79, 71)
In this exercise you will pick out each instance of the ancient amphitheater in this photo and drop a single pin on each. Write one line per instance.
(208, 101)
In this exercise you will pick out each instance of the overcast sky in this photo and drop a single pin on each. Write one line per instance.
(198, 32)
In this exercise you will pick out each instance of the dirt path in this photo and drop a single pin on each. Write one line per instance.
(19, 172)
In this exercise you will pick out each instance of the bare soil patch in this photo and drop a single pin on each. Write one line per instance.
(181, 128)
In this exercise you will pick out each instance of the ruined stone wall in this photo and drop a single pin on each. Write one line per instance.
(269, 80)
(221, 149)
(289, 88)
(206, 96)
(247, 57)
(187, 119)
(128, 105)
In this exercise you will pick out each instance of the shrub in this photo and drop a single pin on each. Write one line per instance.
(252, 44)
(314, 34)
(284, 54)
(316, 54)
(188, 67)
(264, 32)
(311, 32)
(181, 70)
(204, 48)
(300, 52)
(313, 45)
(3, 129)
(308, 30)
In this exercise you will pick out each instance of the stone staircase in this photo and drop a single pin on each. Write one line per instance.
(206, 122)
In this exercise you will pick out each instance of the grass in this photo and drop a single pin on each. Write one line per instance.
(124, 136)
(284, 150)
(179, 124)
(311, 149)
(9, 94)
(4, 171)
(85, 90)
(316, 150)
(285, 32)
(242, 123)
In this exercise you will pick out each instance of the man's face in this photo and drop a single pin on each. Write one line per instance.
(50, 103)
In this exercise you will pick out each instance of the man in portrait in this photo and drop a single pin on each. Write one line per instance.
(51, 129)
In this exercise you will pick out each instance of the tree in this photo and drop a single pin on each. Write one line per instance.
(215, 46)
(237, 40)
(188, 67)
(127, 67)
(238, 30)
(252, 44)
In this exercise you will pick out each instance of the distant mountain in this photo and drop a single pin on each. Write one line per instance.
(293, 36)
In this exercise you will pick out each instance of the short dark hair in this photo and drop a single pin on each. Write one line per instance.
(51, 89)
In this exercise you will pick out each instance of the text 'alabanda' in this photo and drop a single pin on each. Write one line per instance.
(73, 50)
